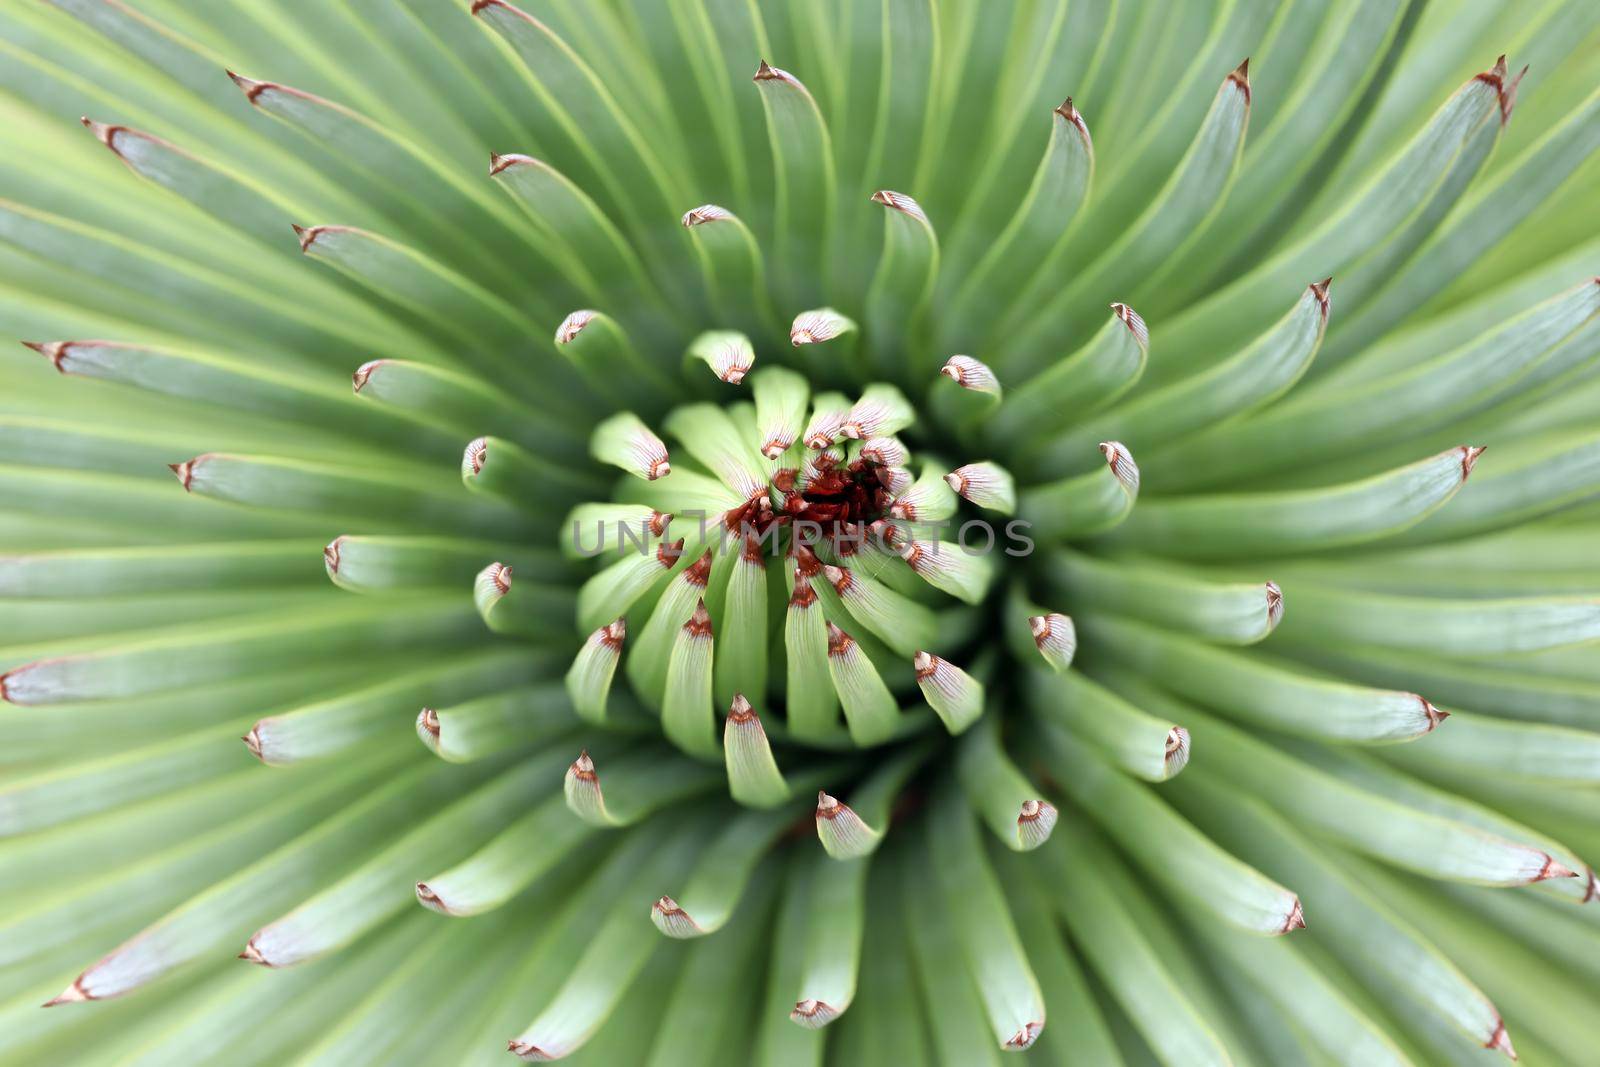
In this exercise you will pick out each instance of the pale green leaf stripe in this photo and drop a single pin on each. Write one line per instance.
(1488, 216)
(625, 785)
(1009, 804)
(374, 891)
(612, 954)
(955, 1018)
(1250, 688)
(1253, 378)
(834, 929)
(576, 226)
(740, 664)
(804, 200)
(1120, 955)
(1092, 377)
(1169, 848)
(225, 380)
(1533, 751)
(173, 659)
(1457, 628)
(1141, 744)
(486, 726)
(1392, 408)
(1279, 522)
(124, 571)
(512, 860)
(710, 435)
(388, 564)
(522, 608)
(283, 484)
(223, 914)
(721, 872)
(1194, 192)
(1366, 935)
(611, 365)
(1077, 1029)
(413, 279)
(1373, 822)
(368, 715)
(1563, 873)
(1521, 979)
(989, 942)
(1085, 504)
(409, 170)
(733, 267)
(903, 283)
(579, 101)
(778, 1043)
(696, 1026)
(104, 903)
(688, 718)
(1519, 485)
(856, 829)
(1036, 229)
(754, 778)
(1296, 986)
(232, 997)
(1383, 205)
(1234, 613)
(469, 404)
(534, 484)
(649, 661)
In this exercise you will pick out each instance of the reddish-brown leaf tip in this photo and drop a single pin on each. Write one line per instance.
(1295, 920)
(1469, 458)
(1499, 1039)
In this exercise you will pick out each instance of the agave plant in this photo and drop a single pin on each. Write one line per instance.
(811, 596)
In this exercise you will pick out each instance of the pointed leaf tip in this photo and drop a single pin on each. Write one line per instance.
(1469, 458)
(1295, 920)
(1501, 1040)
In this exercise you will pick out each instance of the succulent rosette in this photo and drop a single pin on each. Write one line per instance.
(877, 574)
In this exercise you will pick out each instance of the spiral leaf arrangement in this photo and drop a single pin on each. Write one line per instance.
(980, 586)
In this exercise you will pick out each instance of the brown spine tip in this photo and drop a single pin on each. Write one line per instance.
(479, 6)
(1274, 605)
(659, 468)
(504, 161)
(699, 573)
(899, 202)
(1039, 625)
(364, 373)
(429, 899)
(573, 325)
(307, 235)
(1469, 458)
(1241, 77)
(699, 216)
(839, 577)
(803, 596)
(613, 634)
(428, 719)
(766, 72)
(252, 741)
(925, 665)
(699, 624)
(839, 642)
(668, 552)
(1434, 715)
(184, 472)
(524, 1049)
(1135, 324)
(253, 954)
(54, 351)
(740, 710)
(1320, 291)
(828, 807)
(330, 554)
(500, 574)
(251, 87)
(1500, 1040)
(1025, 1037)
(477, 453)
(73, 994)
(1554, 869)
(1295, 920)
(583, 767)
